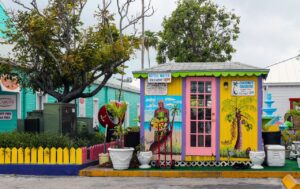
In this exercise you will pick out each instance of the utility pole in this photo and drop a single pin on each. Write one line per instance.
(143, 34)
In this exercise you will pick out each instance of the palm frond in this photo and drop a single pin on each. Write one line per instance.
(228, 105)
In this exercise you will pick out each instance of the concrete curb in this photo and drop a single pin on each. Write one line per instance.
(97, 172)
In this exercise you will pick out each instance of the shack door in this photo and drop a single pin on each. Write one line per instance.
(200, 116)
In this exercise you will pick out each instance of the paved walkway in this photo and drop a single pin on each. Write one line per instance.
(33, 182)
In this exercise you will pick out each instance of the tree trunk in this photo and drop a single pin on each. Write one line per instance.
(148, 52)
(172, 123)
(238, 144)
(143, 34)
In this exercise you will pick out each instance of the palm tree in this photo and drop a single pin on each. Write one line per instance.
(174, 111)
(237, 114)
(150, 40)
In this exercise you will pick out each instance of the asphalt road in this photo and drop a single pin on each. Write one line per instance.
(33, 182)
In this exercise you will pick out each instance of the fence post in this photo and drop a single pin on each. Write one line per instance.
(66, 156)
(27, 155)
(92, 151)
(7, 158)
(53, 155)
(40, 155)
(78, 156)
(84, 155)
(72, 156)
(33, 155)
(46, 156)
(14, 155)
(59, 156)
(1, 155)
(20, 156)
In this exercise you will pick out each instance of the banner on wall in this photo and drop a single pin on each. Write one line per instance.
(9, 84)
(243, 88)
(156, 88)
(159, 78)
(5, 115)
(81, 107)
(8, 102)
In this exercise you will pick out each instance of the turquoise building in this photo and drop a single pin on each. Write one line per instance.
(15, 103)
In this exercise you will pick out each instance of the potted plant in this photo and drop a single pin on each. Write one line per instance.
(144, 155)
(287, 138)
(119, 156)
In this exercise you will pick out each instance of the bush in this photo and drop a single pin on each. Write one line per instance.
(20, 139)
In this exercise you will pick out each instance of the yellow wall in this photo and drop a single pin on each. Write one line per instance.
(249, 138)
(175, 87)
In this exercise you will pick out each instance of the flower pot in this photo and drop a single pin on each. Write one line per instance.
(257, 158)
(120, 157)
(271, 137)
(103, 158)
(144, 159)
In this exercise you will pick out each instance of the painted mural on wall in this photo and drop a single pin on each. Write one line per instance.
(238, 120)
(162, 120)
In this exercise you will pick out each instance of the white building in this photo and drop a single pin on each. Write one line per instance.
(283, 82)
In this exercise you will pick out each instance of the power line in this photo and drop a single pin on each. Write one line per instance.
(280, 62)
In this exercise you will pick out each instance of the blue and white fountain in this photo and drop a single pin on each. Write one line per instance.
(269, 110)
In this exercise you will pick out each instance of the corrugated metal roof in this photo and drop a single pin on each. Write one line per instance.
(286, 72)
(201, 66)
(114, 83)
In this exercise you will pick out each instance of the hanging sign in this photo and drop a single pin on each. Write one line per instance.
(8, 102)
(5, 115)
(243, 88)
(159, 78)
(9, 84)
(156, 88)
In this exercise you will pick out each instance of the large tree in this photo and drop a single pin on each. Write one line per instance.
(198, 31)
(61, 57)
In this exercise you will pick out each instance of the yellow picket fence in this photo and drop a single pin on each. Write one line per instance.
(41, 156)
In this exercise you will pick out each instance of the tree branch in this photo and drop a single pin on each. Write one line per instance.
(22, 5)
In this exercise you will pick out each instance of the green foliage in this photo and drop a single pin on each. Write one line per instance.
(198, 31)
(150, 40)
(293, 113)
(5, 68)
(288, 136)
(175, 110)
(17, 139)
(60, 56)
(118, 110)
(236, 153)
(133, 129)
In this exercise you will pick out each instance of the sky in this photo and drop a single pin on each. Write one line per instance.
(269, 29)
